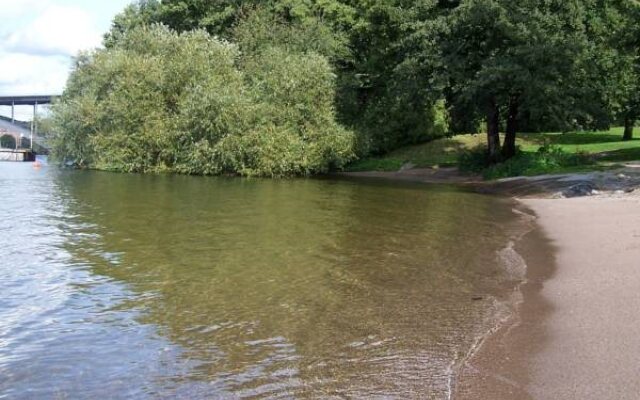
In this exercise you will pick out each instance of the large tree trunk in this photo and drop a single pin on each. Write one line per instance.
(493, 131)
(509, 147)
(629, 123)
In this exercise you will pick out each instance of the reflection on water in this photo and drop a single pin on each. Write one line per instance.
(161, 287)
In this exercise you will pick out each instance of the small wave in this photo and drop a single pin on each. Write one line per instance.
(504, 311)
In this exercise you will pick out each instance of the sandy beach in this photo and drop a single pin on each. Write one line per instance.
(575, 329)
(576, 334)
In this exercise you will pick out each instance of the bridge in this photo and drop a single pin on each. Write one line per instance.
(25, 100)
(14, 133)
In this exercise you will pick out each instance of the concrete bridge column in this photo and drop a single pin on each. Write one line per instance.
(34, 124)
(13, 112)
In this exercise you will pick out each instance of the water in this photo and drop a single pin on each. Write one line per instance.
(130, 286)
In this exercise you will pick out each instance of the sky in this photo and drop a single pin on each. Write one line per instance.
(38, 39)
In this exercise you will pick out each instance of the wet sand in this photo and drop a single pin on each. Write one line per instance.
(576, 333)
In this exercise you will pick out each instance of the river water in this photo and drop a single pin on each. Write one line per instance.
(131, 286)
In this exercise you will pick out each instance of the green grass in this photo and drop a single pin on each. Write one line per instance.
(439, 153)
(585, 142)
(602, 149)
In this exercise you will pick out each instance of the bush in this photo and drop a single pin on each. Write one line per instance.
(159, 101)
(398, 120)
(475, 160)
(547, 159)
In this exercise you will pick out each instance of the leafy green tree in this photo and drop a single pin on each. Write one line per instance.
(511, 65)
(504, 59)
(386, 88)
(261, 28)
(219, 17)
(630, 107)
(625, 42)
(162, 101)
(137, 14)
(380, 92)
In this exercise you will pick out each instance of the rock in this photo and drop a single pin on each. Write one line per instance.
(629, 190)
(407, 166)
(622, 176)
(580, 190)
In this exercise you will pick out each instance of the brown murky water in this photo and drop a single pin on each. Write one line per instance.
(129, 286)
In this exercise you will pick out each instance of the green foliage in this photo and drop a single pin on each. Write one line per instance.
(386, 164)
(497, 51)
(599, 147)
(443, 152)
(161, 101)
(140, 13)
(624, 93)
(548, 159)
(396, 72)
(296, 130)
(381, 92)
(262, 28)
(217, 17)
(220, 17)
(387, 93)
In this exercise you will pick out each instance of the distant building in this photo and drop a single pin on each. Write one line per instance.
(12, 133)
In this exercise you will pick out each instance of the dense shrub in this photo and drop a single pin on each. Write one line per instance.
(161, 101)
(547, 159)
(397, 120)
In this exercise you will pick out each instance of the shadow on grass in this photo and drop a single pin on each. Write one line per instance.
(375, 164)
(442, 152)
(439, 152)
(576, 138)
(621, 155)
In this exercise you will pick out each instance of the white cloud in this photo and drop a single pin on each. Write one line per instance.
(56, 31)
(38, 40)
(18, 8)
(29, 74)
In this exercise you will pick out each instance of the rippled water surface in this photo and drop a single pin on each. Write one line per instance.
(129, 286)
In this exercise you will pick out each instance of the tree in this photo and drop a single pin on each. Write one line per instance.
(386, 87)
(163, 101)
(140, 13)
(505, 59)
(625, 41)
(221, 16)
(261, 28)
(380, 91)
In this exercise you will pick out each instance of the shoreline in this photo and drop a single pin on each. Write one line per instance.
(574, 335)
(516, 267)
(573, 332)
(622, 180)
(498, 368)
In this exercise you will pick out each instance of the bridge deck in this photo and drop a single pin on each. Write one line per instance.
(25, 100)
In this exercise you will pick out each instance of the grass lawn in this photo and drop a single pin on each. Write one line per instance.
(607, 147)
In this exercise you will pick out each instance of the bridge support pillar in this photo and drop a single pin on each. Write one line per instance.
(34, 124)
(13, 112)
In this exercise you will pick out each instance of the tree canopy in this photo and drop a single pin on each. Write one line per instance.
(159, 100)
(356, 76)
